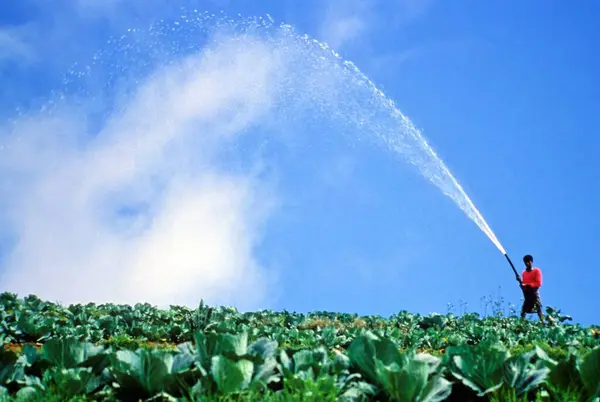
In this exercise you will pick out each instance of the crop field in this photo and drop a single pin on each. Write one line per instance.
(131, 353)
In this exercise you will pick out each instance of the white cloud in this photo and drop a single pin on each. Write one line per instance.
(347, 23)
(13, 47)
(337, 31)
(344, 22)
(195, 232)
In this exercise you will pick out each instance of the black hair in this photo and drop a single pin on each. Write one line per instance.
(527, 258)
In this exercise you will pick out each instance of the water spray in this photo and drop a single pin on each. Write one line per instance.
(314, 80)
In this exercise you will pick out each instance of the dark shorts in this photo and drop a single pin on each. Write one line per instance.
(532, 302)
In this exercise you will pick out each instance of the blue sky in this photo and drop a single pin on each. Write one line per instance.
(280, 205)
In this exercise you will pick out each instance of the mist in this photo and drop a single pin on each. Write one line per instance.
(141, 209)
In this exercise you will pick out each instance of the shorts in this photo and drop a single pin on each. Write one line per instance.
(532, 302)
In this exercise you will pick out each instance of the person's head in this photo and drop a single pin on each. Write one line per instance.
(528, 260)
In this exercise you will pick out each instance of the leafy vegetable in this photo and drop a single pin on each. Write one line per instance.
(121, 352)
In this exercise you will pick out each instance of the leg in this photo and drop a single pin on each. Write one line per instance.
(538, 306)
(528, 303)
(540, 313)
(524, 308)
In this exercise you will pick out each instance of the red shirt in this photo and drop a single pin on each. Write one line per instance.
(533, 278)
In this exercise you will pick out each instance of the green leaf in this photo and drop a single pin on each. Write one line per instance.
(74, 382)
(523, 376)
(265, 373)
(144, 373)
(28, 393)
(480, 368)
(589, 369)
(181, 361)
(231, 376)
(399, 383)
(201, 352)
(565, 374)
(409, 380)
(262, 353)
(8, 362)
(139, 373)
(286, 363)
(432, 362)
(32, 388)
(340, 362)
(263, 348)
(542, 355)
(358, 391)
(233, 344)
(309, 359)
(366, 349)
(437, 389)
(66, 353)
(4, 396)
(434, 321)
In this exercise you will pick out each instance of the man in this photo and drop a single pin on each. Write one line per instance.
(531, 283)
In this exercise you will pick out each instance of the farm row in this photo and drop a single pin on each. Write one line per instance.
(116, 352)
